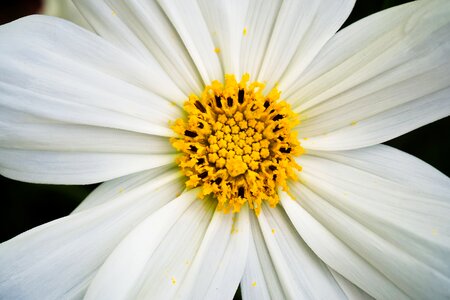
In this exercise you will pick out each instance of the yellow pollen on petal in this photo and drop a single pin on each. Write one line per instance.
(217, 49)
(244, 32)
(238, 144)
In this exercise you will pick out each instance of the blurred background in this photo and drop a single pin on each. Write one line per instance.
(27, 205)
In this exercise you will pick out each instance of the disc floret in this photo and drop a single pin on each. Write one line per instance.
(237, 144)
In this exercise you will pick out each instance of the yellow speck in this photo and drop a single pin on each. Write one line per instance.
(113, 13)
(254, 283)
(273, 230)
(434, 231)
(174, 281)
(217, 49)
(353, 123)
(121, 190)
(305, 138)
(233, 225)
(187, 262)
(244, 32)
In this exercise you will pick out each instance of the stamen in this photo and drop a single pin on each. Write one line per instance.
(240, 153)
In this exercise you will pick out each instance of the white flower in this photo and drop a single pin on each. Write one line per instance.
(79, 108)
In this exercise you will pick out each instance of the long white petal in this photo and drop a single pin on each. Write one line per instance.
(301, 29)
(45, 72)
(226, 24)
(376, 79)
(260, 280)
(58, 260)
(187, 18)
(220, 261)
(351, 291)
(301, 273)
(142, 29)
(260, 20)
(181, 251)
(112, 189)
(298, 45)
(336, 254)
(401, 227)
(61, 103)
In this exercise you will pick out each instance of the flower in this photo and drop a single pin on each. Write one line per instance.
(362, 219)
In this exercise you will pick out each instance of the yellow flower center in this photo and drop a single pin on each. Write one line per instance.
(237, 144)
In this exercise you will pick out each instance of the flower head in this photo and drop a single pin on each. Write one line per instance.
(250, 105)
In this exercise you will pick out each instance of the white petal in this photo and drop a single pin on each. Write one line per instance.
(45, 72)
(142, 29)
(220, 261)
(378, 78)
(112, 189)
(181, 251)
(301, 29)
(61, 102)
(261, 17)
(351, 291)
(394, 165)
(260, 280)
(301, 273)
(65, 9)
(335, 253)
(74, 167)
(57, 260)
(400, 227)
(186, 16)
(19, 130)
(226, 22)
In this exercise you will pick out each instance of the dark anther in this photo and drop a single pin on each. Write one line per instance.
(266, 104)
(277, 117)
(285, 150)
(203, 175)
(230, 101)
(241, 96)
(274, 177)
(241, 192)
(193, 148)
(218, 102)
(276, 128)
(200, 125)
(218, 180)
(272, 111)
(190, 133)
(201, 161)
(281, 138)
(200, 106)
(273, 168)
(253, 107)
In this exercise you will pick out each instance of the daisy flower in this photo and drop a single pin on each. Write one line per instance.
(239, 142)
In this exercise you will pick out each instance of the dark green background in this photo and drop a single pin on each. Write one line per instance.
(27, 205)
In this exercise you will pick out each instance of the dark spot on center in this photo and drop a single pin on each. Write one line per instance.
(241, 96)
(203, 175)
(190, 133)
(285, 150)
(277, 117)
(241, 191)
(230, 101)
(200, 106)
(218, 102)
